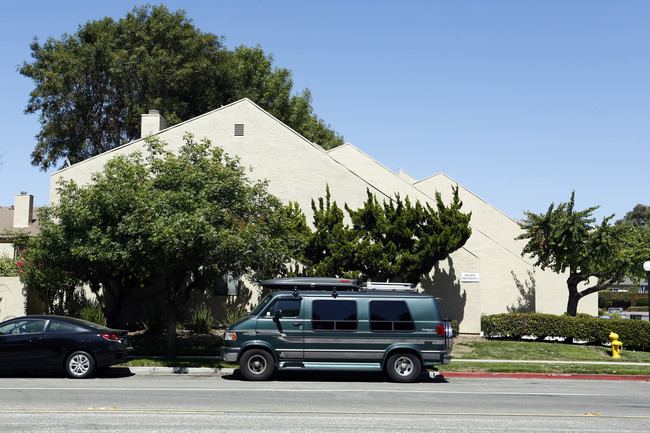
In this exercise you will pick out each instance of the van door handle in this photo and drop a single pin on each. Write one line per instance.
(297, 323)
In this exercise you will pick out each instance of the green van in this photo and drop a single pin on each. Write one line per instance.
(334, 324)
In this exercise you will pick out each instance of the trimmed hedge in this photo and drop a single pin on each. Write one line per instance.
(614, 300)
(641, 301)
(635, 334)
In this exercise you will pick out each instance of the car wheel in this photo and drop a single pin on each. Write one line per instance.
(79, 365)
(403, 367)
(256, 364)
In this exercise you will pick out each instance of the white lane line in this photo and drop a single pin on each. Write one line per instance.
(348, 391)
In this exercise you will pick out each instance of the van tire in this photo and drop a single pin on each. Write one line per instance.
(256, 364)
(403, 367)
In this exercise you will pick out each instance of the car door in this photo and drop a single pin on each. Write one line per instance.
(22, 343)
(281, 325)
(60, 338)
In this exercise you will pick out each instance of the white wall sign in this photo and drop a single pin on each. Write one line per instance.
(470, 277)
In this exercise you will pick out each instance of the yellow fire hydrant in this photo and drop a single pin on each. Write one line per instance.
(616, 345)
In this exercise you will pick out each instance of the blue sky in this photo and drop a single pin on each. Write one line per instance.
(520, 102)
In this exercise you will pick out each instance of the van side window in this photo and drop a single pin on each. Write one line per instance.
(289, 307)
(390, 316)
(334, 315)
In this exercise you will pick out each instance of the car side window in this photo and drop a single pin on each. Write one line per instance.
(390, 316)
(334, 315)
(289, 307)
(61, 327)
(24, 326)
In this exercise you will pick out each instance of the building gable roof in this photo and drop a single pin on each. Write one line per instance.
(7, 223)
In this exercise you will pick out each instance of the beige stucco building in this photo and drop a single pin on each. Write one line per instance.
(475, 280)
(21, 217)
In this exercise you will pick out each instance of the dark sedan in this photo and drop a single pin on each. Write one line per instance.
(53, 342)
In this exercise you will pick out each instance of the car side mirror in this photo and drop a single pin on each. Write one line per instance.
(278, 315)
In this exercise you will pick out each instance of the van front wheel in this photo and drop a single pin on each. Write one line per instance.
(256, 364)
(403, 367)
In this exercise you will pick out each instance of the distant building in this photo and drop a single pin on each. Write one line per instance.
(475, 280)
(628, 285)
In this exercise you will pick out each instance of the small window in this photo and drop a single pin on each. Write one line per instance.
(334, 315)
(239, 129)
(289, 307)
(390, 316)
(227, 285)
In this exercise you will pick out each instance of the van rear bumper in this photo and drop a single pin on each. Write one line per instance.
(229, 354)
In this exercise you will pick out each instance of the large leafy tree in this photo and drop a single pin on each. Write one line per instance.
(91, 87)
(173, 222)
(638, 217)
(389, 241)
(568, 240)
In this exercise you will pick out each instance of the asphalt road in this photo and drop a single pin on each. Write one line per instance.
(297, 402)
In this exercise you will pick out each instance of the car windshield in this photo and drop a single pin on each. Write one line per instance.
(263, 303)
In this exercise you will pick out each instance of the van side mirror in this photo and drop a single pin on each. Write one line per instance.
(278, 315)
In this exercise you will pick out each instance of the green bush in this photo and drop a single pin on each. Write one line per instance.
(154, 324)
(202, 320)
(454, 327)
(608, 300)
(641, 301)
(93, 312)
(8, 267)
(234, 313)
(634, 334)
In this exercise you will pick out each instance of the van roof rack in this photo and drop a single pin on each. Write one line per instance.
(387, 287)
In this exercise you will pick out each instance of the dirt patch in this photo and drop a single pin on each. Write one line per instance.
(464, 338)
(460, 348)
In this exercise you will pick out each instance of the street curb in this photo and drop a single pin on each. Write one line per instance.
(486, 375)
(203, 371)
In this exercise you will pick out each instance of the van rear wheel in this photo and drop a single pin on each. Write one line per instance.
(256, 364)
(403, 367)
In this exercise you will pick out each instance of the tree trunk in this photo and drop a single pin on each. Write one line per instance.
(574, 295)
(172, 313)
(572, 304)
(116, 300)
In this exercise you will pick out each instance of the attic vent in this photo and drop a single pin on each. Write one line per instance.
(239, 129)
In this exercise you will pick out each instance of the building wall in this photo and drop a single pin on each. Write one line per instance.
(7, 249)
(12, 301)
(299, 171)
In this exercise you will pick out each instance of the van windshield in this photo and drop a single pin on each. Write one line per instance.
(263, 303)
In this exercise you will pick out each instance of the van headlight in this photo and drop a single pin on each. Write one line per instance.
(230, 336)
